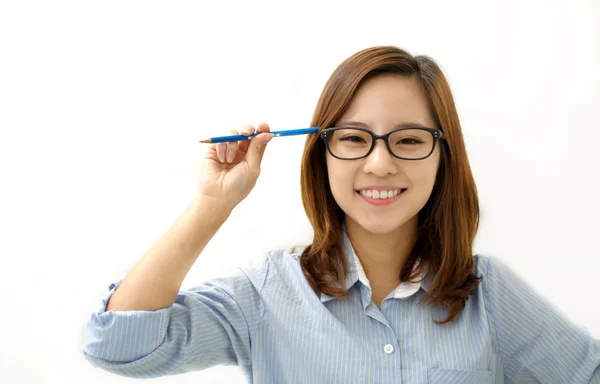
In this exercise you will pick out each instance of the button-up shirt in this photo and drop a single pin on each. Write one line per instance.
(265, 318)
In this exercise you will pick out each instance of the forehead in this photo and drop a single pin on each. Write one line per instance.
(388, 101)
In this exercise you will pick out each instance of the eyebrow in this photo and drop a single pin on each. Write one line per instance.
(352, 123)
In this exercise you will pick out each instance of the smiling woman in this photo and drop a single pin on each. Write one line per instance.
(388, 291)
(385, 93)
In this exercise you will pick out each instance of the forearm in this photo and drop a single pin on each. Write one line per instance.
(154, 282)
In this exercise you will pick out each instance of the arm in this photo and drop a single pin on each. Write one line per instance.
(148, 328)
(154, 281)
(536, 341)
(210, 324)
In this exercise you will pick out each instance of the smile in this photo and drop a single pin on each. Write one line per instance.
(381, 198)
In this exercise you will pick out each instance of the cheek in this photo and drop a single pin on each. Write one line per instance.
(423, 175)
(340, 180)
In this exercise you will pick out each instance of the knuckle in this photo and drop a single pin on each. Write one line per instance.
(248, 129)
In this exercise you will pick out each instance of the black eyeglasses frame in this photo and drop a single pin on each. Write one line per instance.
(435, 132)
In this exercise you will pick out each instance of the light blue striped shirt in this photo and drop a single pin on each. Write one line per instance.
(266, 319)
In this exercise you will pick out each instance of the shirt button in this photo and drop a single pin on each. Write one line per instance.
(389, 348)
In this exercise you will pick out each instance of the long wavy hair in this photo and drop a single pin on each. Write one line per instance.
(448, 222)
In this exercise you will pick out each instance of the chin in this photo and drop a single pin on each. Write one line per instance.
(379, 227)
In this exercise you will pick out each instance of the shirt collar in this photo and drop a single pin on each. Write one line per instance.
(357, 273)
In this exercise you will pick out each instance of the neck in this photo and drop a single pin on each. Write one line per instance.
(382, 255)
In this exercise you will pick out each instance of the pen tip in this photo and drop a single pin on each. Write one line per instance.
(208, 141)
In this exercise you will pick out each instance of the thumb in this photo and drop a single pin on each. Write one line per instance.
(256, 149)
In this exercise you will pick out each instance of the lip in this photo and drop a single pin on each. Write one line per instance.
(380, 202)
(379, 188)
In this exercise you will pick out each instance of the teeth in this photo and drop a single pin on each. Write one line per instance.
(378, 194)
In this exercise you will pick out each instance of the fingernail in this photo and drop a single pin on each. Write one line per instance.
(230, 155)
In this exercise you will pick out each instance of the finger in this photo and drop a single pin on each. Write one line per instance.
(221, 149)
(263, 127)
(256, 150)
(247, 130)
(231, 148)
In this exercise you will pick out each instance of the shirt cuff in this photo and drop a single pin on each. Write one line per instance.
(123, 336)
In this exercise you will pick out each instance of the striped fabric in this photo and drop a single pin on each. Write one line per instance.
(266, 319)
(403, 290)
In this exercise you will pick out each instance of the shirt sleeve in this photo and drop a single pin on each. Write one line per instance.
(536, 341)
(207, 325)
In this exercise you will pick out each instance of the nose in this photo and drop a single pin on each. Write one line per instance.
(380, 161)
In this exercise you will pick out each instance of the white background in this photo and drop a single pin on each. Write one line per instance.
(103, 105)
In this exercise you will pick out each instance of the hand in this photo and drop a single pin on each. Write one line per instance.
(230, 170)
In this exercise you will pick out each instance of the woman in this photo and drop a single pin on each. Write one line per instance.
(389, 290)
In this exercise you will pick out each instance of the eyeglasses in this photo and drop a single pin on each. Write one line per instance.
(350, 143)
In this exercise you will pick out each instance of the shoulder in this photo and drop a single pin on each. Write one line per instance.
(495, 275)
(504, 287)
(274, 263)
(493, 269)
(481, 263)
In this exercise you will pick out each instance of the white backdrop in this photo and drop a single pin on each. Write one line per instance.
(103, 105)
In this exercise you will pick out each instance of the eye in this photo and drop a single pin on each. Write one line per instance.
(410, 141)
(353, 139)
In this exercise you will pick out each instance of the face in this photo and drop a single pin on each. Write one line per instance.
(381, 104)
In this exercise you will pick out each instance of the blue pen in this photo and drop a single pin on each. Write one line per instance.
(290, 132)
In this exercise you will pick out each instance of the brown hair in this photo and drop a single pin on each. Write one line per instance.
(447, 223)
